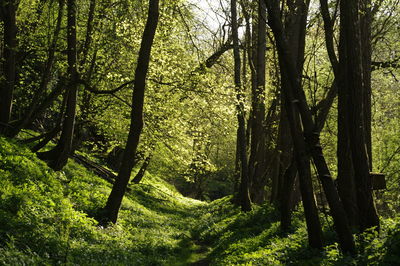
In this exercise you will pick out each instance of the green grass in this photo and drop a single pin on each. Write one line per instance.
(45, 219)
(255, 238)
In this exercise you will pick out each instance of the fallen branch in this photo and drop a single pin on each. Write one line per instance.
(96, 168)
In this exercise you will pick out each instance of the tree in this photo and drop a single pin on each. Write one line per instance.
(58, 156)
(115, 198)
(353, 58)
(8, 14)
(257, 160)
(296, 96)
(243, 192)
(36, 106)
(295, 31)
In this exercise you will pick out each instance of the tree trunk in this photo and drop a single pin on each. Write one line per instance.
(285, 200)
(303, 167)
(243, 195)
(257, 164)
(365, 24)
(345, 178)
(296, 95)
(8, 10)
(351, 25)
(140, 174)
(295, 31)
(114, 200)
(57, 157)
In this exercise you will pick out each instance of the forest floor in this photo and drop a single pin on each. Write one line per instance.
(45, 219)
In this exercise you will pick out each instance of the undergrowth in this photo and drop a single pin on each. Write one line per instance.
(255, 238)
(45, 219)
(45, 216)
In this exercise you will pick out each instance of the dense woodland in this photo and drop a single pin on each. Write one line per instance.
(182, 132)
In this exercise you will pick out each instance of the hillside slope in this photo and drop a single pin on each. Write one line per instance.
(45, 220)
(45, 216)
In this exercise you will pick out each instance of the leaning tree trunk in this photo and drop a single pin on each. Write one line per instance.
(295, 31)
(243, 193)
(8, 10)
(296, 95)
(114, 200)
(295, 21)
(57, 157)
(140, 174)
(352, 34)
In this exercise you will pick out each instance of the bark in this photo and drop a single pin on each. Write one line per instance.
(95, 167)
(296, 94)
(351, 25)
(243, 195)
(295, 22)
(303, 167)
(140, 174)
(57, 157)
(285, 200)
(8, 10)
(257, 164)
(365, 25)
(295, 25)
(345, 178)
(114, 200)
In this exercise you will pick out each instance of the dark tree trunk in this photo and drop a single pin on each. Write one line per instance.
(8, 9)
(285, 200)
(284, 155)
(57, 157)
(140, 174)
(237, 174)
(296, 95)
(243, 195)
(295, 31)
(257, 164)
(303, 167)
(114, 200)
(345, 178)
(365, 24)
(352, 34)
(295, 34)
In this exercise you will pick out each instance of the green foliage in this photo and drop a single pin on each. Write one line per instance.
(254, 238)
(44, 216)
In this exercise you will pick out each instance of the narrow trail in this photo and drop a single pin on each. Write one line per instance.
(191, 253)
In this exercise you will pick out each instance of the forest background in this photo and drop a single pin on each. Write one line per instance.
(268, 101)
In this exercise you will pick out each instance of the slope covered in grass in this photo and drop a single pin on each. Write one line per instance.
(45, 219)
(255, 238)
(45, 216)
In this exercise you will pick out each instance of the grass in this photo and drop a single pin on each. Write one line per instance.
(45, 219)
(255, 238)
